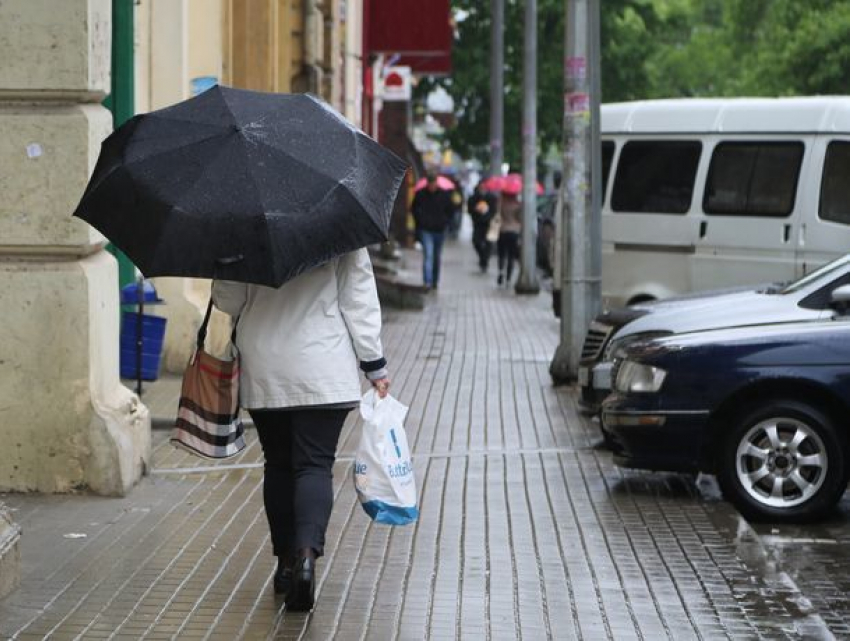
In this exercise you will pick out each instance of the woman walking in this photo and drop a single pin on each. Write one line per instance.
(507, 247)
(299, 347)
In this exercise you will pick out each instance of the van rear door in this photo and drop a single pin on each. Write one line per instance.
(825, 223)
(750, 214)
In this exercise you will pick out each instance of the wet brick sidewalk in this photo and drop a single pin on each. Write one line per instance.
(527, 530)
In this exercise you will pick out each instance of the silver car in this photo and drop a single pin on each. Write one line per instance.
(802, 300)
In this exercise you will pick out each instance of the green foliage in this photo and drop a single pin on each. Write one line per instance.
(650, 48)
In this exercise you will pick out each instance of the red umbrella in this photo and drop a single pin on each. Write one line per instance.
(510, 184)
(442, 183)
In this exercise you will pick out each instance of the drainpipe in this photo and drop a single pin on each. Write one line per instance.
(121, 102)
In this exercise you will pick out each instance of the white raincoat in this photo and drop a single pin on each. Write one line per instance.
(300, 343)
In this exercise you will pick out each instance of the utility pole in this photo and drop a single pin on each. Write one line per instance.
(497, 85)
(581, 240)
(527, 281)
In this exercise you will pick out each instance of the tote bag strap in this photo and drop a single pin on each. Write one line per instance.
(202, 330)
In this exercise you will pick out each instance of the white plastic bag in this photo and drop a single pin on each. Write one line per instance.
(383, 471)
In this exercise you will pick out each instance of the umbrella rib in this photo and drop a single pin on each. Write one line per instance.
(299, 162)
(161, 116)
(173, 149)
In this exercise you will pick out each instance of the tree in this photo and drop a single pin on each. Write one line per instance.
(650, 49)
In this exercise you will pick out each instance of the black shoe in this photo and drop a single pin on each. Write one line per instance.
(283, 577)
(301, 596)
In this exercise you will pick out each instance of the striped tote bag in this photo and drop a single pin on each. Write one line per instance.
(208, 421)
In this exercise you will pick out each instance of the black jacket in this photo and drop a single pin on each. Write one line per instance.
(481, 220)
(432, 210)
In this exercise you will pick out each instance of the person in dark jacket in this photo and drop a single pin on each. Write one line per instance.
(482, 208)
(432, 210)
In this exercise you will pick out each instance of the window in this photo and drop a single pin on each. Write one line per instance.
(656, 176)
(835, 188)
(753, 179)
(607, 157)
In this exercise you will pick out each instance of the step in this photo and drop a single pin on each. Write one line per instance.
(10, 553)
(400, 291)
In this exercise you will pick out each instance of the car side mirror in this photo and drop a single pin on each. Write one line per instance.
(839, 299)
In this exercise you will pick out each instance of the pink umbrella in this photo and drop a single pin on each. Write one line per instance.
(442, 183)
(510, 184)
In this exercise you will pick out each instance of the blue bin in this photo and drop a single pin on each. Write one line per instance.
(153, 333)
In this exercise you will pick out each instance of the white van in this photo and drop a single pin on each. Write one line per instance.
(712, 193)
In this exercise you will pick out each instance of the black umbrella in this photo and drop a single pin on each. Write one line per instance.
(241, 185)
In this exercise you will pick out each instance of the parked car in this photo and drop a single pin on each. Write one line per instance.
(805, 299)
(764, 407)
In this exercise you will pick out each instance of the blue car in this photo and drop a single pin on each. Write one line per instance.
(766, 408)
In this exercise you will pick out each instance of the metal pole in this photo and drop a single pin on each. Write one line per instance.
(594, 284)
(497, 85)
(578, 280)
(527, 281)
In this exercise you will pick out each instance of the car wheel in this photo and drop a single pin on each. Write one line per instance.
(783, 461)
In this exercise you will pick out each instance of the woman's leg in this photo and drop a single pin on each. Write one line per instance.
(501, 251)
(512, 251)
(275, 432)
(314, 439)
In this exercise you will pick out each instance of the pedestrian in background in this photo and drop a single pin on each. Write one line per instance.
(299, 347)
(432, 210)
(507, 247)
(482, 208)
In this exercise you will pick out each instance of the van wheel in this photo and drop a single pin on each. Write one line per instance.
(783, 461)
(641, 298)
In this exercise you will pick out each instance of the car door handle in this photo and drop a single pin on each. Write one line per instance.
(786, 234)
(703, 228)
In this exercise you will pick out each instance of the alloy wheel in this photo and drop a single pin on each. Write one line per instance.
(781, 462)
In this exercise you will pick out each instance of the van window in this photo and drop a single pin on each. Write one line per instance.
(753, 178)
(607, 157)
(835, 188)
(656, 176)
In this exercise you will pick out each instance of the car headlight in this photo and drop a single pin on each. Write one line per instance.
(639, 378)
(616, 347)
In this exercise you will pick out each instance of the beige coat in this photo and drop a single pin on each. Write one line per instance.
(300, 343)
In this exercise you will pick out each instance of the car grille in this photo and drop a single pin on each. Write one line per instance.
(594, 342)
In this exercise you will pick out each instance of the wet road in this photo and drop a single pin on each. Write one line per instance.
(816, 557)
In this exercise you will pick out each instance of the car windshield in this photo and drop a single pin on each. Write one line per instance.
(835, 267)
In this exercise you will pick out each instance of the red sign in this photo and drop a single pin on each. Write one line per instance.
(419, 32)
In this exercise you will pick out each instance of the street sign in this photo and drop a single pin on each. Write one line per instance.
(397, 85)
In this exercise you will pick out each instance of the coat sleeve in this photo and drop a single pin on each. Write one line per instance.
(229, 296)
(361, 311)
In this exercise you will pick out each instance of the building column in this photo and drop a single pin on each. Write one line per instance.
(68, 422)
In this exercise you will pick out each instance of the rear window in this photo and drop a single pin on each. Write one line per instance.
(835, 188)
(753, 179)
(655, 176)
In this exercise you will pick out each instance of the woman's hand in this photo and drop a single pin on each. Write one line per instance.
(382, 386)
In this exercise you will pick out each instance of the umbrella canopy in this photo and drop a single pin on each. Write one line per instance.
(241, 185)
(510, 184)
(442, 183)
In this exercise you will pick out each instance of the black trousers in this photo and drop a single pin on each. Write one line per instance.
(482, 246)
(300, 449)
(508, 250)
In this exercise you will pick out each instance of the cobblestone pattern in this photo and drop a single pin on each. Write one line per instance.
(526, 530)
